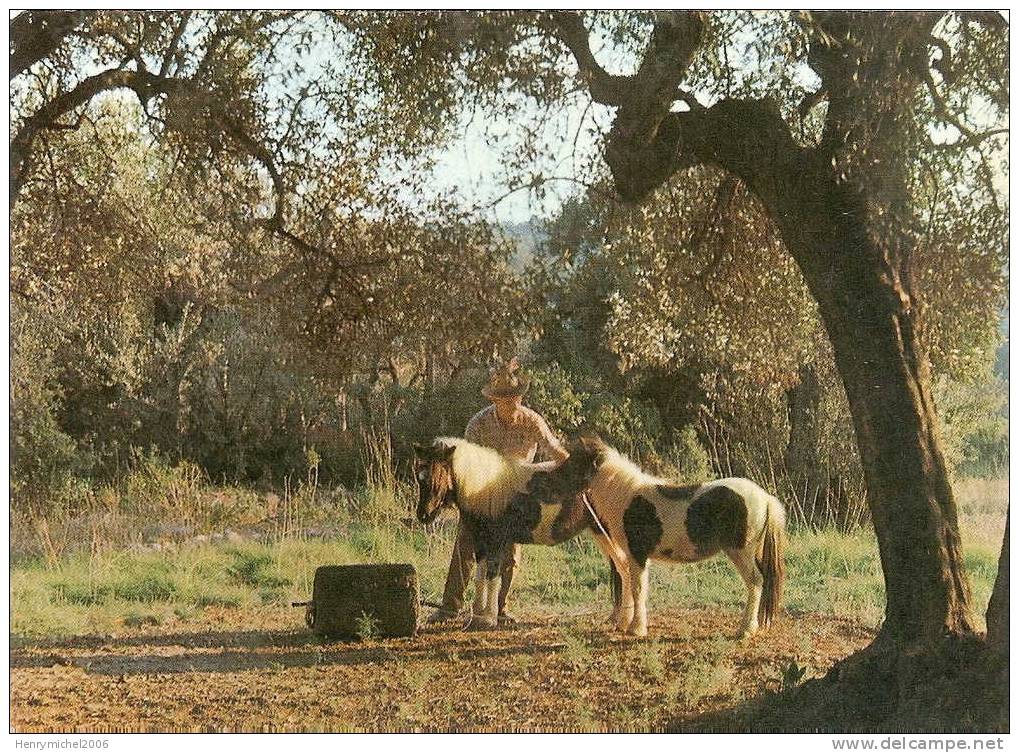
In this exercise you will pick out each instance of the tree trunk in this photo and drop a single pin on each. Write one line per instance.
(856, 264)
(928, 669)
(997, 609)
(824, 499)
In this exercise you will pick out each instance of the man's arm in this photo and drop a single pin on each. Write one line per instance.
(473, 431)
(550, 446)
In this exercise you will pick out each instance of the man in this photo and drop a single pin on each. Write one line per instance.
(516, 431)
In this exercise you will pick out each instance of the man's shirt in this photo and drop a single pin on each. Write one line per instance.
(523, 439)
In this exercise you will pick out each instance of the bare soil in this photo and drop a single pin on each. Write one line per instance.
(244, 670)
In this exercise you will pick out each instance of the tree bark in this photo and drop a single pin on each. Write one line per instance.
(824, 501)
(997, 609)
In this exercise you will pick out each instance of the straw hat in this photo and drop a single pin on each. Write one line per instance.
(507, 381)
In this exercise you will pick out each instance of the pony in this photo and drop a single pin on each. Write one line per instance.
(644, 517)
(503, 501)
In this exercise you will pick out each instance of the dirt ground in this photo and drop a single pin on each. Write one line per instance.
(240, 670)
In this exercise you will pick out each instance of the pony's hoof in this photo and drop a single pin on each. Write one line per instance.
(479, 622)
(637, 631)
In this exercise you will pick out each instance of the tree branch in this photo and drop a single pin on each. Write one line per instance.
(643, 143)
(171, 51)
(943, 64)
(967, 142)
(749, 138)
(992, 19)
(35, 34)
(51, 111)
(605, 88)
(147, 85)
(942, 109)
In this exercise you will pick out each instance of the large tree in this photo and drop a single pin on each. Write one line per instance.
(320, 205)
(823, 117)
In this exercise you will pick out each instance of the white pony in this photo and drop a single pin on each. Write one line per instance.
(646, 517)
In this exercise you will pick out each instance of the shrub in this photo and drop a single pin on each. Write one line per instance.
(685, 459)
(631, 425)
(148, 588)
(48, 468)
(250, 568)
(555, 397)
(974, 418)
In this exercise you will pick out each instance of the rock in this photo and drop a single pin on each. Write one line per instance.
(167, 532)
(232, 537)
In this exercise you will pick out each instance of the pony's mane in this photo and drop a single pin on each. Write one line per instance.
(486, 480)
(617, 473)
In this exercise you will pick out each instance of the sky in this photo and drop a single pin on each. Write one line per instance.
(472, 168)
(475, 169)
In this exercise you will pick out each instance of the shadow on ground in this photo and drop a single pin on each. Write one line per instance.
(250, 650)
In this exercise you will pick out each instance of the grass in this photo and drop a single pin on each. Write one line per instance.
(367, 626)
(121, 590)
(652, 662)
(577, 652)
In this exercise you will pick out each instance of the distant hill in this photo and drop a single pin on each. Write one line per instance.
(527, 236)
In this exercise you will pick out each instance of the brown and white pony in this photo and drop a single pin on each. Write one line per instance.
(648, 518)
(503, 501)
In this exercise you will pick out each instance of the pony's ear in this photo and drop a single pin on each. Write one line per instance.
(421, 450)
(447, 452)
(594, 448)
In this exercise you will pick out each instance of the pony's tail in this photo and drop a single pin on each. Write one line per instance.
(771, 561)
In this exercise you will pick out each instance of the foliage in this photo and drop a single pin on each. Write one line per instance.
(975, 425)
(792, 675)
(691, 302)
(46, 461)
(687, 459)
(367, 626)
(553, 394)
(181, 357)
(229, 252)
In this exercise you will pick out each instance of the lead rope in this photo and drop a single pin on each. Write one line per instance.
(597, 520)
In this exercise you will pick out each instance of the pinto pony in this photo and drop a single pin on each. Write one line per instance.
(503, 501)
(647, 518)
